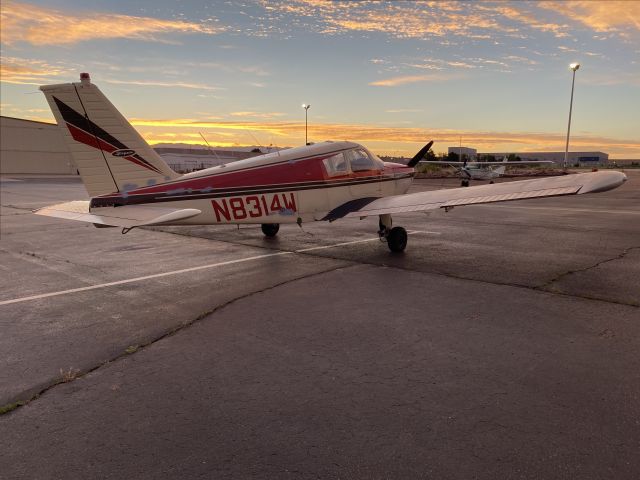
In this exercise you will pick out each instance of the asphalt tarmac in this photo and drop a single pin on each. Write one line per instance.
(502, 344)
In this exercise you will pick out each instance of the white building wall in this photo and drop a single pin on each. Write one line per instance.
(470, 152)
(32, 147)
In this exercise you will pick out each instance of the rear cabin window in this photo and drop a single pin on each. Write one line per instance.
(361, 161)
(336, 165)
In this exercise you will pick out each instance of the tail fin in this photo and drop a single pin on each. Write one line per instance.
(110, 154)
(501, 169)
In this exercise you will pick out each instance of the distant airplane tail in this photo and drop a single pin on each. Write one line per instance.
(502, 168)
(109, 153)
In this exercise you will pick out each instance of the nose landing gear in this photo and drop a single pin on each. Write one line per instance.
(396, 237)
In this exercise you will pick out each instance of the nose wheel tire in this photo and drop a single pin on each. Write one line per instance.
(397, 239)
(270, 229)
(464, 183)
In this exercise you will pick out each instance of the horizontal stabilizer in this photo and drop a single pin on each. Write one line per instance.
(126, 216)
(501, 192)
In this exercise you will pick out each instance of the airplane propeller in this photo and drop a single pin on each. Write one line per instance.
(420, 155)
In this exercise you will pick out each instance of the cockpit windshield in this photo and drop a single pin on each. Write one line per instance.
(362, 160)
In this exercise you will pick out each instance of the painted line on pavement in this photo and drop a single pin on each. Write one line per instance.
(187, 270)
(581, 210)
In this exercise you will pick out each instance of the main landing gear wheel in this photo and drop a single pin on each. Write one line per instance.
(464, 183)
(270, 229)
(491, 182)
(397, 239)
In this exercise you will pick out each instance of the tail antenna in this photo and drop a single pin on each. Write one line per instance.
(255, 139)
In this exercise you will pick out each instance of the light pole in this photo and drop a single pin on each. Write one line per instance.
(306, 123)
(574, 67)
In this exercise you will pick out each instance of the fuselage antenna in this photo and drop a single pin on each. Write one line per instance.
(211, 150)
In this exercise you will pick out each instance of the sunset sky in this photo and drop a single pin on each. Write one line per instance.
(389, 75)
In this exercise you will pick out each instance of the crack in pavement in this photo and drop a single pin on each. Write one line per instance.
(584, 269)
(350, 264)
(539, 288)
(40, 260)
(16, 402)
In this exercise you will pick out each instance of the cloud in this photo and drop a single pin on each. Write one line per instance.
(610, 16)
(404, 110)
(533, 21)
(397, 19)
(226, 67)
(396, 81)
(23, 22)
(427, 20)
(267, 115)
(144, 83)
(30, 72)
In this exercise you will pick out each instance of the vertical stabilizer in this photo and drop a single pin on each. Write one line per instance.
(110, 154)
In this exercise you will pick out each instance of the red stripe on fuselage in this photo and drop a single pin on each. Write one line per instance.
(254, 180)
(308, 170)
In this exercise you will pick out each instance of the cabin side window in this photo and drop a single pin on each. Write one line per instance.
(336, 165)
(361, 161)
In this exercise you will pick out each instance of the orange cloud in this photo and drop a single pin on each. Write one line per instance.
(395, 81)
(401, 20)
(265, 115)
(197, 86)
(532, 21)
(600, 16)
(22, 22)
(30, 72)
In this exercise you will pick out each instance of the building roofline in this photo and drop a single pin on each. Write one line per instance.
(27, 120)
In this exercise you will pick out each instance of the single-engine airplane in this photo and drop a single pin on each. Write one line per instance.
(482, 170)
(131, 186)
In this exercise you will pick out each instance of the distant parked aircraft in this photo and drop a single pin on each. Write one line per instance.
(482, 170)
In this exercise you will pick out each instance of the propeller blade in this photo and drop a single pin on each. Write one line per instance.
(420, 155)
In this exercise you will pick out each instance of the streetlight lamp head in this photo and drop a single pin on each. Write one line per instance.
(305, 106)
(574, 66)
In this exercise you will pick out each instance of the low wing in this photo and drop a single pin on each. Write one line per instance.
(483, 164)
(501, 192)
(126, 216)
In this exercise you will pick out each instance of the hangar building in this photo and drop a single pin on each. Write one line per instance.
(585, 159)
(27, 146)
(30, 147)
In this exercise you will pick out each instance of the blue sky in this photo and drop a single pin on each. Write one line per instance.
(391, 75)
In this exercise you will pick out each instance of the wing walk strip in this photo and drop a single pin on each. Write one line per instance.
(192, 269)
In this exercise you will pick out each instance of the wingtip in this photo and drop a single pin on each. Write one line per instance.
(603, 181)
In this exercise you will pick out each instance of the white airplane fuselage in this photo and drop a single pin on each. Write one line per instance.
(476, 172)
(292, 186)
